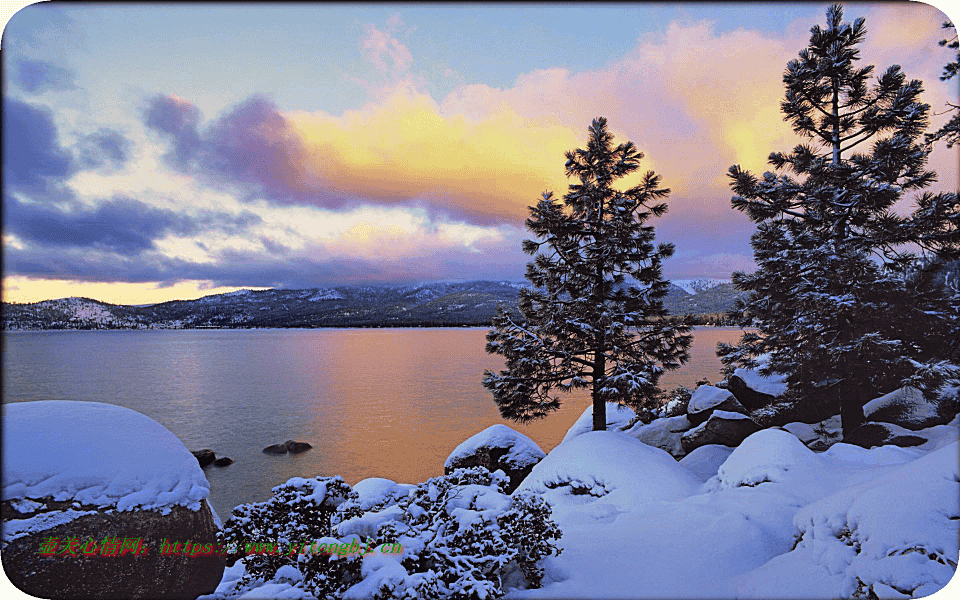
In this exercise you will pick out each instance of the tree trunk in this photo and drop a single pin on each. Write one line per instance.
(851, 406)
(599, 404)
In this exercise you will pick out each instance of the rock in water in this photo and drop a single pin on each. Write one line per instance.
(275, 449)
(296, 447)
(81, 502)
(497, 447)
(223, 461)
(205, 456)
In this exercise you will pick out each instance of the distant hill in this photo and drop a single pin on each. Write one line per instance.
(431, 304)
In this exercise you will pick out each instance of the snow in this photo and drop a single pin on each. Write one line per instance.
(325, 295)
(522, 450)
(96, 454)
(20, 527)
(705, 460)
(706, 397)
(695, 286)
(772, 385)
(594, 476)
(914, 409)
(768, 519)
(618, 416)
(663, 433)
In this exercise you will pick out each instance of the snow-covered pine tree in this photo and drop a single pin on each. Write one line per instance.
(950, 132)
(594, 317)
(838, 300)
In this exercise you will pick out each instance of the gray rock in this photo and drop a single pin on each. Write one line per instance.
(205, 456)
(905, 407)
(146, 574)
(275, 449)
(750, 398)
(872, 434)
(723, 427)
(662, 433)
(223, 461)
(497, 447)
(296, 447)
(708, 398)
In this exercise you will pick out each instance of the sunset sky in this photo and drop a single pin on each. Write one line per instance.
(173, 151)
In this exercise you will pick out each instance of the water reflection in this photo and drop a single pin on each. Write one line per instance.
(374, 402)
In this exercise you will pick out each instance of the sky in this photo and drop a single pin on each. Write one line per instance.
(158, 152)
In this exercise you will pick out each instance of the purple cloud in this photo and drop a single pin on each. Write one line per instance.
(38, 76)
(32, 155)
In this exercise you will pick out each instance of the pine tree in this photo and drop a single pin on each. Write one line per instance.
(594, 317)
(950, 132)
(839, 304)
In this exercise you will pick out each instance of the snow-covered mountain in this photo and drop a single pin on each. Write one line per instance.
(695, 286)
(470, 303)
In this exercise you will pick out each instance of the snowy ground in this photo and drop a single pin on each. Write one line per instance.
(768, 519)
(773, 519)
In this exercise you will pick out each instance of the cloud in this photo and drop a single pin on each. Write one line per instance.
(121, 226)
(37, 76)
(33, 157)
(177, 120)
(380, 47)
(104, 148)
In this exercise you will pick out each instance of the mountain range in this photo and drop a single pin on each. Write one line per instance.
(429, 304)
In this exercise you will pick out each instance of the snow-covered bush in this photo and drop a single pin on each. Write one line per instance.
(457, 537)
(299, 512)
(462, 537)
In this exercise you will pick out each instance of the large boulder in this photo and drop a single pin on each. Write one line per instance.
(750, 398)
(706, 399)
(905, 407)
(497, 447)
(817, 436)
(662, 433)
(872, 434)
(723, 427)
(91, 494)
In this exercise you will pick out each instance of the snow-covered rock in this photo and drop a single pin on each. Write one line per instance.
(705, 460)
(618, 417)
(723, 427)
(82, 473)
(872, 434)
(497, 447)
(905, 407)
(895, 533)
(600, 473)
(771, 385)
(706, 399)
(662, 433)
(817, 436)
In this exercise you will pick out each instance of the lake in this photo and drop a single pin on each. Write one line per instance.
(373, 402)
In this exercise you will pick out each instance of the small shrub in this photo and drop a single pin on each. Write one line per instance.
(462, 537)
(299, 511)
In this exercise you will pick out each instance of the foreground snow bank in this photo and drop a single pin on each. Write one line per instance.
(96, 454)
(776, 520)
(895, 536)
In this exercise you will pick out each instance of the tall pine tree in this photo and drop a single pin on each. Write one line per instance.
(950, 132)
(840, 303)
(594, 317)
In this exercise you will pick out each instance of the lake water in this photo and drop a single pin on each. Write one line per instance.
(373, 402)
